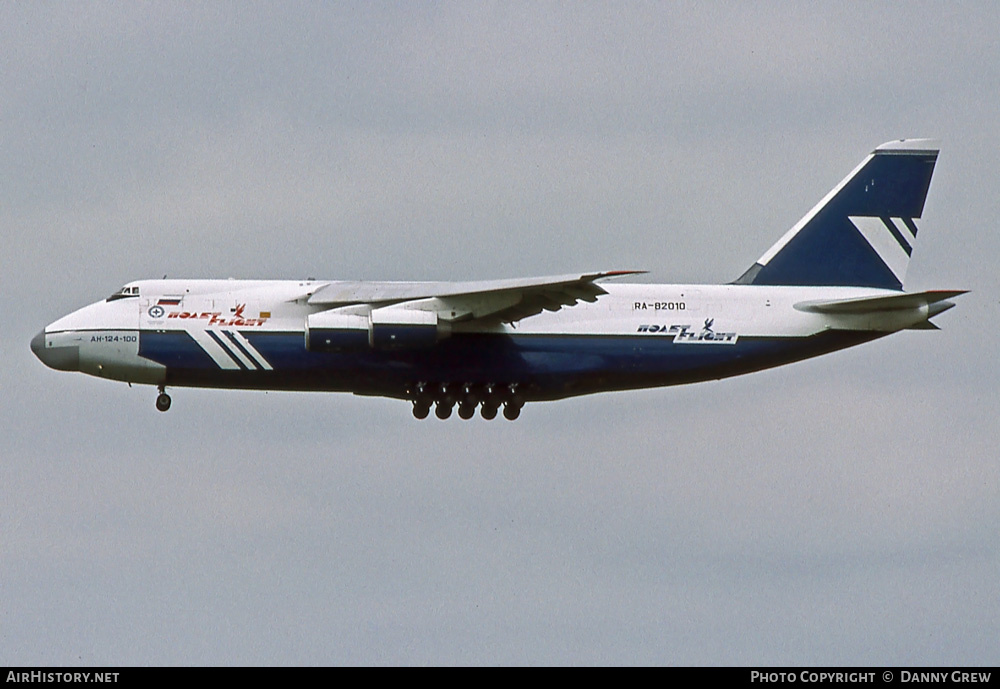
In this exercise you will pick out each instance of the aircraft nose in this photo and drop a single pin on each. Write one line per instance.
(59, 358)
(38, 343)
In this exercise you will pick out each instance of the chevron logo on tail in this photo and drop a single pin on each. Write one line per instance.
(891, 238)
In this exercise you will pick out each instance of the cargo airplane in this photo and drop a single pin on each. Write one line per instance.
(834, 280)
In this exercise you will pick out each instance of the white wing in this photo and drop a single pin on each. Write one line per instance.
(494, 300)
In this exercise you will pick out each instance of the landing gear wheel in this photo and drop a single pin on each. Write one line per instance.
(163, 401)
(466, 411)
(421, 411)
(488, 413)
(511, 411)
(442, 411)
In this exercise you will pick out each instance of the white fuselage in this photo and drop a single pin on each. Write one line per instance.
(106, 335)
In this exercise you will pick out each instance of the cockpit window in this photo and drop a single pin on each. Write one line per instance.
(124, 293)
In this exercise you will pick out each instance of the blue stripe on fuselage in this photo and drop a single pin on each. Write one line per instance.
(175, 349)
(547, 366)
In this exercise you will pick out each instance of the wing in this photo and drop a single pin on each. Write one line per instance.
(498, 301)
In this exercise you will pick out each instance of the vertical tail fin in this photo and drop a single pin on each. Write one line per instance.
(862, 233)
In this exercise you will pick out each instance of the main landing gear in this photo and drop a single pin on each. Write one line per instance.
(162, 400)
(445, 396)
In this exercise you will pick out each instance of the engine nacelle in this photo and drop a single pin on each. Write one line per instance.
(398, 328)
(385, 328)
(336, 332)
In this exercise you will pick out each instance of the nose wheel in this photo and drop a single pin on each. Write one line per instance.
(163, 401)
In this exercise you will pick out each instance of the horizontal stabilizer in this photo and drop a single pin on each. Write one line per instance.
(896, 302)
(891, 313)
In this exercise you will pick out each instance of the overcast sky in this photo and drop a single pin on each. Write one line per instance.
(842, 510)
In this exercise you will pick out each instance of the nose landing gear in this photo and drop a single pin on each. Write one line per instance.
(162, 400)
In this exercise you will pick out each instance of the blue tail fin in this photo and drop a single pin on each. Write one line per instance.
(862, 233)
